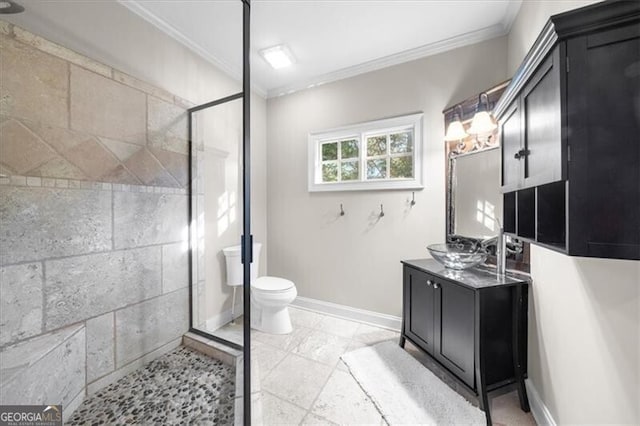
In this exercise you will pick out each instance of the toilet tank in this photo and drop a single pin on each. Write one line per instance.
(234, 264)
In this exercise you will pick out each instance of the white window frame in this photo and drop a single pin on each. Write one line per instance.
(360, 132)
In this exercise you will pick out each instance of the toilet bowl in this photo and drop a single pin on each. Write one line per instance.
(270, 296)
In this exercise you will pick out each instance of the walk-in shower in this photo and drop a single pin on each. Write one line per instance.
(120, 184)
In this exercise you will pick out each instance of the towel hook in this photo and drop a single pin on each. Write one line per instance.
(341, 210)
(381, 210)
(413, 199)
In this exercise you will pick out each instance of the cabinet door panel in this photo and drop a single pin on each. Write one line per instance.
(543, 122)
(455, 330)
(420, 315)
(604, 172)
(510, 131)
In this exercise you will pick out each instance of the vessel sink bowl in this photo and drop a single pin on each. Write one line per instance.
(457, 255)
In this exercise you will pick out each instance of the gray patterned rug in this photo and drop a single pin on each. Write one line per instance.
(181, 387)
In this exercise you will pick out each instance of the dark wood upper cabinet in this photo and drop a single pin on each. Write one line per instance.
(570, 135)
(511, 144)
(542, 156)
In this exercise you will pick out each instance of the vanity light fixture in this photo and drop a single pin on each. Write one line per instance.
(482, 122)
(455, 130)
(277, 56)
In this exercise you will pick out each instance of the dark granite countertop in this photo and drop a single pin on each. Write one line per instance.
(476, 278)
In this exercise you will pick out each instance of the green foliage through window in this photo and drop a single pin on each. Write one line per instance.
(349, 170)
(401, 167)
(401, 142)
(349, 149)
(330, 172)
(330, 151)
(376, 145)
(377, 169)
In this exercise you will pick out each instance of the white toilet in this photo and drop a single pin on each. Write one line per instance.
(270, 296)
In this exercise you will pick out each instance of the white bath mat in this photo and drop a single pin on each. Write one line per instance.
(405, 391)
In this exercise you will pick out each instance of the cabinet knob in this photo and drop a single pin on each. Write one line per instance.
(429, 283)
(522, 153)
(436, 286)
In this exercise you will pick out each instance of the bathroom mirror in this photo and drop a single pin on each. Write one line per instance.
(475, 194)
(474, 200)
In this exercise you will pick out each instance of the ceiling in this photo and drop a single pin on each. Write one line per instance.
(330, 39)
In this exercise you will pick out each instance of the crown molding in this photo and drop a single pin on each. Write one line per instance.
(497, 30)
(136, 7)
(466, 39)
(509, 18)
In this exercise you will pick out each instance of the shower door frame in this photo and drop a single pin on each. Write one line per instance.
(246, 240)
(192, 111)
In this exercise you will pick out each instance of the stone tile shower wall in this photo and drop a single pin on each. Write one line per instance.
(93, 222)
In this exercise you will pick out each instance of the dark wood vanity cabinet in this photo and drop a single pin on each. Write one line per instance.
(570, 135)
(471, 322)
(440, 319)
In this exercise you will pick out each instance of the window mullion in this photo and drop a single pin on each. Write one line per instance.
(388, 159)
(363, 157)
(319, 161)
(339, 161)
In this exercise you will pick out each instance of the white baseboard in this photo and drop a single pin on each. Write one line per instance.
(374, 318)
(539, 411)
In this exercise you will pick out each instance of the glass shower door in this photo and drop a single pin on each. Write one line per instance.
(220, 215)
(216, 164)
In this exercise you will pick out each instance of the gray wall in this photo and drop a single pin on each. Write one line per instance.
(584, 314)
(93, 218)
(354, 260)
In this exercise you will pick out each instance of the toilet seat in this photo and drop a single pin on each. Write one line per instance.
(272, 285)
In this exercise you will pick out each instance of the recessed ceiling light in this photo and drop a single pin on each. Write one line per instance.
(277, 56)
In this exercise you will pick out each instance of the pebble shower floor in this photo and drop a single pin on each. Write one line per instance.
(181, 387)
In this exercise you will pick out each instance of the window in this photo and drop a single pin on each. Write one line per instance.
(382, 154)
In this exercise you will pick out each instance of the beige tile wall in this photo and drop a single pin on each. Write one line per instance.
(94, 268)
(71, 117)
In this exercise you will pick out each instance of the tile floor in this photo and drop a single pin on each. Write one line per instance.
(303, 381)
(231, 331)
(181, 387)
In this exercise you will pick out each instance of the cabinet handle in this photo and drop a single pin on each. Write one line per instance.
(522, 153)
(436, 286)
(429, 283)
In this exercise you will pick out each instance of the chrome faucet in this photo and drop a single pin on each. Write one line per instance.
(501, 248)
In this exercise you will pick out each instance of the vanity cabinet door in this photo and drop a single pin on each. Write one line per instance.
(419, 298)
(542, 148)
(455, 326)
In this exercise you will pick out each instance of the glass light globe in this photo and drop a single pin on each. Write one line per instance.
(482, 123)
(455, 131)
